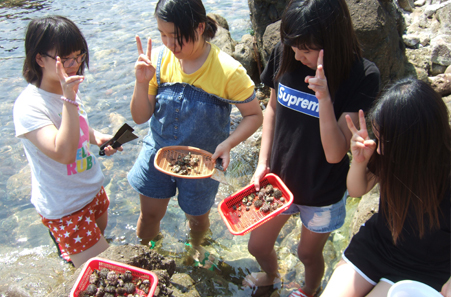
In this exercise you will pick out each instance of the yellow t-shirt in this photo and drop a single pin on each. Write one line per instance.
(220, 75)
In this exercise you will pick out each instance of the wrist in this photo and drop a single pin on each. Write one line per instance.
(71, 101)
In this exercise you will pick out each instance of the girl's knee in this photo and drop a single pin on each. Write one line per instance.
(257, 249)
(310, 257)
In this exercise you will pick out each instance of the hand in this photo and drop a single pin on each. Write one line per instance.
(259, 173)
(144, 70)
(361, 146)
(69, 84)
(101, 138)
(446, 289)
(318, 83)
(222, 151)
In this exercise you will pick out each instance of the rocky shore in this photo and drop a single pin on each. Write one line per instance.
(404, 38)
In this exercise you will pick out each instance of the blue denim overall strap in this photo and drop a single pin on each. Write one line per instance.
(187, 115)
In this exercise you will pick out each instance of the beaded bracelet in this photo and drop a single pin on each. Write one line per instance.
(70, 101)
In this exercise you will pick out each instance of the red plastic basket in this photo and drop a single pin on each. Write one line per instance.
(240, 222)
(99, 263)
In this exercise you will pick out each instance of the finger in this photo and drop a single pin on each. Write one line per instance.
(139, 45)
(320, 72)
(369, 143)
(60, 69)
(149, 48)
(320, 60)
(362, 121)
(307, 79)
(350, 124)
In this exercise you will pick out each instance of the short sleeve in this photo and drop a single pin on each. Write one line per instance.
(240, 86)
(270, 71)
(365, 88)
(28, 117)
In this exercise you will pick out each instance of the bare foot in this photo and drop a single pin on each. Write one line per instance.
(260, 279)
(203, 258)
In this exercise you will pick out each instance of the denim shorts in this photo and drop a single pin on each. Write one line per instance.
(321, 219)
(195, 196)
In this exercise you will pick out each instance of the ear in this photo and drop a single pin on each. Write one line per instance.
(201, 28)
(39, 60)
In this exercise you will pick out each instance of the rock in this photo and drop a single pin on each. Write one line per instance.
(270, 38)
(441, 50)
(220, 20)
(224, 41)
(368, 206)
(411, 40)
(407, 5)
(244, 53)
(441, 83)
(448, 69)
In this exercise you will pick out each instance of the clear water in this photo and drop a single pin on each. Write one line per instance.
(29, 264)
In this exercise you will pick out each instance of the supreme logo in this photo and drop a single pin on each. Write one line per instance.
(298, 101)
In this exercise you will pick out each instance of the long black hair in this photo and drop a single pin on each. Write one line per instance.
(186, 16)
(412, 124)
(51, 33)
(316, 25)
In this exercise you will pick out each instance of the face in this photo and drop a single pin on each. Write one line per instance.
(169, 39)
(308, 57)
(48, 64)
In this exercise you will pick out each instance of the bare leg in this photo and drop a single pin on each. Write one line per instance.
(380, 290)
(102, 222)
(199, 226)
(80, 258)
(261, 246)
(152, 211)
(346, 282)
(310, 252)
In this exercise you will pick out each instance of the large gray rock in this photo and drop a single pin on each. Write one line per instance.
(368, 206)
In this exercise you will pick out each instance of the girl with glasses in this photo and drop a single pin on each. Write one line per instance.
(51, 121)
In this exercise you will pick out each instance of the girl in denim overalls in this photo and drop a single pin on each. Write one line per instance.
(186, 89)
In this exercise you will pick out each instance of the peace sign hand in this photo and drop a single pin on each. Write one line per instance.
(144, 70)
(318, 83)
(362, 148)
(69, 84)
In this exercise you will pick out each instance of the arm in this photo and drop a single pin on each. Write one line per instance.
(142, 105)
(446, 289)
(61, 144)
(252, 119)
(267, 140)
(360, 180)
(335, 136)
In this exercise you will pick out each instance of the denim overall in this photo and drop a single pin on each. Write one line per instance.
(184, 115)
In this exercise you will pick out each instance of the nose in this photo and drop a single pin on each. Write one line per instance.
(171, 43)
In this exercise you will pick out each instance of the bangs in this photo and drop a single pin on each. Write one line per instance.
(67, 40)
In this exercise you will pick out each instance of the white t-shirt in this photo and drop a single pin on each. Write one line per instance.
(57, 189)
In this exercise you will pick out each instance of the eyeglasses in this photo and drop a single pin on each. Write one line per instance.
(69, 62)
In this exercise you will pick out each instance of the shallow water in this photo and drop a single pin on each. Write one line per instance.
(29, 263)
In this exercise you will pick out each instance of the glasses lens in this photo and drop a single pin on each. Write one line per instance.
(69, 62)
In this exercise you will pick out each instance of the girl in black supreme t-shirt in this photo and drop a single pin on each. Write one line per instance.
(410, 236)
(317, 75)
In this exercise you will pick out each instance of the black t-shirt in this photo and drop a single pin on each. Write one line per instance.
(425, 259)
(297, 153)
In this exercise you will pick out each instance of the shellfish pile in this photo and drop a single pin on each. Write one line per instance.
(184, 165)
(266, 200)
(109, 283)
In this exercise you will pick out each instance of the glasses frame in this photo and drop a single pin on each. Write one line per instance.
(78, 59)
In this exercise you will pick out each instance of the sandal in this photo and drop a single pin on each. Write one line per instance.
(299, 293)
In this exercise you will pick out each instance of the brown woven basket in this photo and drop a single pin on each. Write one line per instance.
(168, 154)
